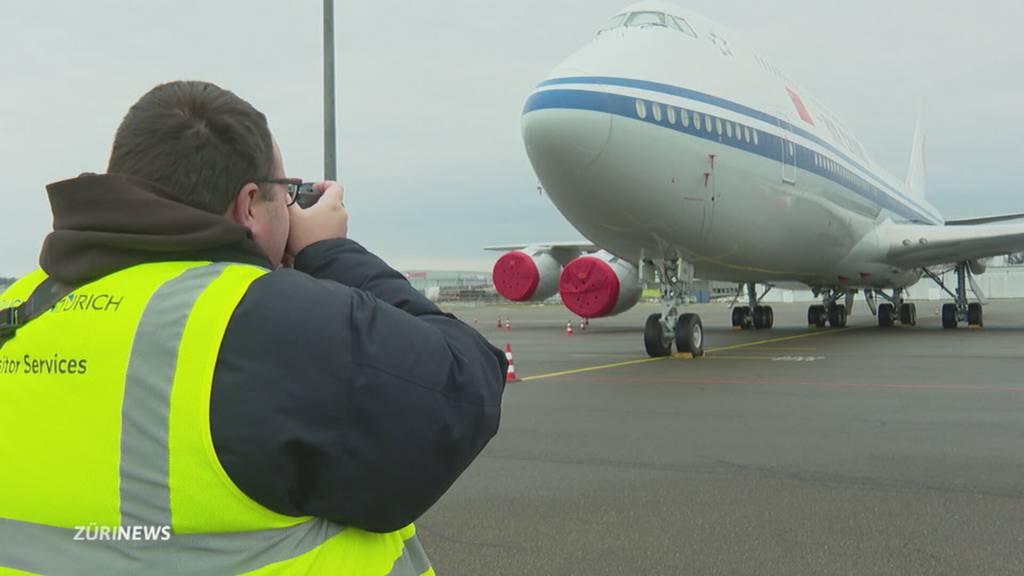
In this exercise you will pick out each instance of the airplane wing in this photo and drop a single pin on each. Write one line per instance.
(985, 219)
(585, 247)
(916, 246)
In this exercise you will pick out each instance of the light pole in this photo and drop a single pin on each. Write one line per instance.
(330, 153)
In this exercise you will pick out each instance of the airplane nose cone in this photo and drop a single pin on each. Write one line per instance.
(564, 140)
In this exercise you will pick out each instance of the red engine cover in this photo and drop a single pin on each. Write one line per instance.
(589, 287)
(515, 276)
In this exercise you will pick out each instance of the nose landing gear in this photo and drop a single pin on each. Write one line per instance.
(664, 329)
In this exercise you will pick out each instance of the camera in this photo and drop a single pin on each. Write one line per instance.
(307, 195)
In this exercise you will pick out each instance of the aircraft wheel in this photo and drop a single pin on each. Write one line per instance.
(655, 340)
(949, 315)
(908, 314)
(816, 316)
(739, 315)
(974, 315)
(886, 315)
(690, 335)
(770, 315)
(837, 316)
(763, 317)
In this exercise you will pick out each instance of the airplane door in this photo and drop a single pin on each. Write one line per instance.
(787, 150)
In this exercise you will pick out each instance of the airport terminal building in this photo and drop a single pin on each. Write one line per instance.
(453, 285)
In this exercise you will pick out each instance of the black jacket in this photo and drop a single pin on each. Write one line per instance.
(339, 392)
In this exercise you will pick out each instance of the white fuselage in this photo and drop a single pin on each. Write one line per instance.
(776, 190)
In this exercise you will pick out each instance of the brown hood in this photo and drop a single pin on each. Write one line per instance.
(106, 222)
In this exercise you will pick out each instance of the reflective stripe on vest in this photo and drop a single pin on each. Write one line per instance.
(292, 545)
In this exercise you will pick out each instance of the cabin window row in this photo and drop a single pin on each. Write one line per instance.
(831, 166)
(845, 175)
(698, 120)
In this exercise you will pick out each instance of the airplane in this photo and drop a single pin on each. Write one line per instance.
(680, 152)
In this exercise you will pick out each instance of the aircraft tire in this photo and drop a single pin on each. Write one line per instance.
(816, 316)
(885, 315)
(949, 316)
(654, 338)
(908, 314)
(837, 316)
(764, 318)
(690, 335)
(759, 317)
(974, 315)
(739, 315)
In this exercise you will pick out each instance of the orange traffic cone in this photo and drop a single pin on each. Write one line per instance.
(511, 375)
(568, 328)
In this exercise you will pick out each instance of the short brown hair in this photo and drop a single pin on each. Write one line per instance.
(197, 140)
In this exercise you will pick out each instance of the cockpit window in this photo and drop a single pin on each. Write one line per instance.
(681, 25)
(616, 21)
(641, 19)
(646, 19)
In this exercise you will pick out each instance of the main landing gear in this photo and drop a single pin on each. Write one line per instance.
(753, 315)
(895, 309)
(830, 311)
(669, 327)
(960, 310)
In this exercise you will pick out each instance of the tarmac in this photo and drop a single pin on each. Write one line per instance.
(788, 451)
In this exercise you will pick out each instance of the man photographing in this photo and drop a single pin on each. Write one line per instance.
(253, 418)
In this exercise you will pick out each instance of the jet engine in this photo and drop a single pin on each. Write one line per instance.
(524, 275)
(599, 285)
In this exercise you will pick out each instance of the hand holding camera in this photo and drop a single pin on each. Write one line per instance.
(308, 194)
(318, 214)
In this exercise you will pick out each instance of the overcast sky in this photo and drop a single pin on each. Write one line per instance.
(430, 95)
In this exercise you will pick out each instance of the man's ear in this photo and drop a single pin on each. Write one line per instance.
(242, 209)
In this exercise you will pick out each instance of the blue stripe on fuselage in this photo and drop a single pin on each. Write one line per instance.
(739, 109)
(768, 146)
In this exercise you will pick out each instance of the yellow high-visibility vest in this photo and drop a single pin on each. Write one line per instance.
(107, 464)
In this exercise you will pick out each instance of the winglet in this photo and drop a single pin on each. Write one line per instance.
(915, 171)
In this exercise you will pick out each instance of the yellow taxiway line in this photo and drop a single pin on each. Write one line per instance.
(783, 339)
(592, 368)
(709, 350)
